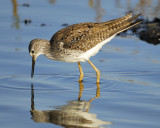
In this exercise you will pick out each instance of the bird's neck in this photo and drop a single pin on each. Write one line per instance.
(49, 51)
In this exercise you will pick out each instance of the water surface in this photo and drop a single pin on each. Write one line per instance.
(129, 92)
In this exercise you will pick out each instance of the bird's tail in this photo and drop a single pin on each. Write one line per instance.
(130, 22)
(121, 24)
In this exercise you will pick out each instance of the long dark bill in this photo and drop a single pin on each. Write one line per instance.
(33, 64)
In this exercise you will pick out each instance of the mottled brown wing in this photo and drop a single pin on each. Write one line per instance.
(93, 34)
(70, 33)
(86, 35)
(78, 30)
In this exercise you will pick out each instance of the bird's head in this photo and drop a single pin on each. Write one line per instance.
(36, 48)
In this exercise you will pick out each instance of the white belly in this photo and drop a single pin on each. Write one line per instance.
(93, 51)
(77, 56)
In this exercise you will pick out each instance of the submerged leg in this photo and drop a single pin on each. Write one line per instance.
(97, 71)
(81, 72)
(80, 90)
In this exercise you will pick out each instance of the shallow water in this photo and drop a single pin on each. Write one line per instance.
(129, 92)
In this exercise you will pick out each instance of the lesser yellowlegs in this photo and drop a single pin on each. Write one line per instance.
(78, 42)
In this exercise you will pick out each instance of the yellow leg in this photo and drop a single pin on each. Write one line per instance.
(80, 90)
(97, 95)
(97, 71)
(81, 72)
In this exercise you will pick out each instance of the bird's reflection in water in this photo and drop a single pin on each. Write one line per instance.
(74, 114)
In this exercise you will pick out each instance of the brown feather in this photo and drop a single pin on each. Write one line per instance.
(85, 36)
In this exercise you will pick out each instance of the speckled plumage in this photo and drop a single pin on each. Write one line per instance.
(78, 42)
(85, 36)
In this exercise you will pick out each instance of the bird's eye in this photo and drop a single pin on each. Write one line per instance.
(32, 51)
